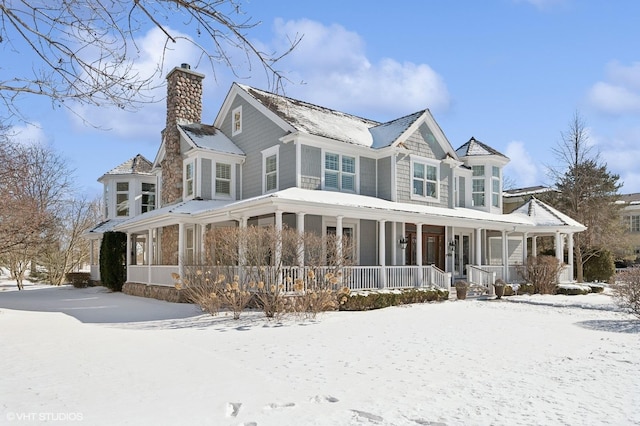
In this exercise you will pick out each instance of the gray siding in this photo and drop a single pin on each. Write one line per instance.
(258, 134)
(311, 167)
(421, 143)
(462, 192)
(206, 179)
(384, 178)
(368, 176)
(368, 242)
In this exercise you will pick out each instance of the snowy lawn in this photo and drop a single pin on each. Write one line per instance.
(87, 356)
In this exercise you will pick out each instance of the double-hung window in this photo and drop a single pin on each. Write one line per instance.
(189, 179)
(424, 178)
(495, 186)
(148, 197)
(223, 179)
(122, 198)
(339, 172)
(477, 186)
(270, 169)
(236, 124)
(634, 225)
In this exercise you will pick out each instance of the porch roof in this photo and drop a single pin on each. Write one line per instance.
(296, 200)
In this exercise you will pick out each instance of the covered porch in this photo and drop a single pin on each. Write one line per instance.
(398, 245)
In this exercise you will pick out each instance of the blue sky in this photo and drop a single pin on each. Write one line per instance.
(510, 73)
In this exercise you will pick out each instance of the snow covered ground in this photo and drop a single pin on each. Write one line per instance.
(87, 356)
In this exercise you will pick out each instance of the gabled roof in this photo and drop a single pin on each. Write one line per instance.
(208, 137)
(137, 165)
(633, 198)
(315, 120)
(293, 116)
(544, 215)
(474, 148)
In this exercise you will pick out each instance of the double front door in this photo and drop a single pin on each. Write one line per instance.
(433, 246)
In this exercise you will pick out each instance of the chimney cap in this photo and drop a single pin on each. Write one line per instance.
(185, 66)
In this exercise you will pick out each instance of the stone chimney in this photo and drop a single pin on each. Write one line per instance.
(184, 106)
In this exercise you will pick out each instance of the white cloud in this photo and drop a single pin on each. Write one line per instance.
(620, 93)
(332, 63)
(30, 133)
(522, 168)
(621, 153)
(149, 121)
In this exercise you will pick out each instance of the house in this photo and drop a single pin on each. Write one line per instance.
(631, 219)
(420, 211)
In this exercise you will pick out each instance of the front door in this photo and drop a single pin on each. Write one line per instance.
(433, 251)
(461, 255)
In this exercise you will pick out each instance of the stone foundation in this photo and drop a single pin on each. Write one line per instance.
(160, 292)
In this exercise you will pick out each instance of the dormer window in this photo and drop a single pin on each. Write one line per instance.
(424, 178)
(495, 186)
(477, 189)
(236, 121)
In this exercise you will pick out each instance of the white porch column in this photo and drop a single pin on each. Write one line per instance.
(242, 240)
(278, 253)
(300, 227)
(534, 246)
(505, 256)
(478, 247)
(339, 237)
(181, 250)
(419, 244)
(570, 255)
(203, 238)
(128, 254)
(382, 253)
(394, 239)
(91, 257)
(149, 254)
(525, 254)
(559, 253)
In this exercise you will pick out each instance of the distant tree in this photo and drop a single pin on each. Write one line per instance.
(34, 182)
(85, 50)
(68, 251)
(587, 192)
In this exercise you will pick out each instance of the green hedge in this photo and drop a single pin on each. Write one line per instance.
(365, 301)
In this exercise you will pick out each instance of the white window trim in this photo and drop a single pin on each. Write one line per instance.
(185, 195)
(356, 177)
(328, 221)
(499, 193)
(130, 205)
(274, 150)
(235, 131)
(427, 162)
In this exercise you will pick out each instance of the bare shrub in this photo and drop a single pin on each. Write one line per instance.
(542, 272)
(626, 290)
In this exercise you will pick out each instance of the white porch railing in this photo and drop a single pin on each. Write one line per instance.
(353, 277)
(482, 276)
(566, 274)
